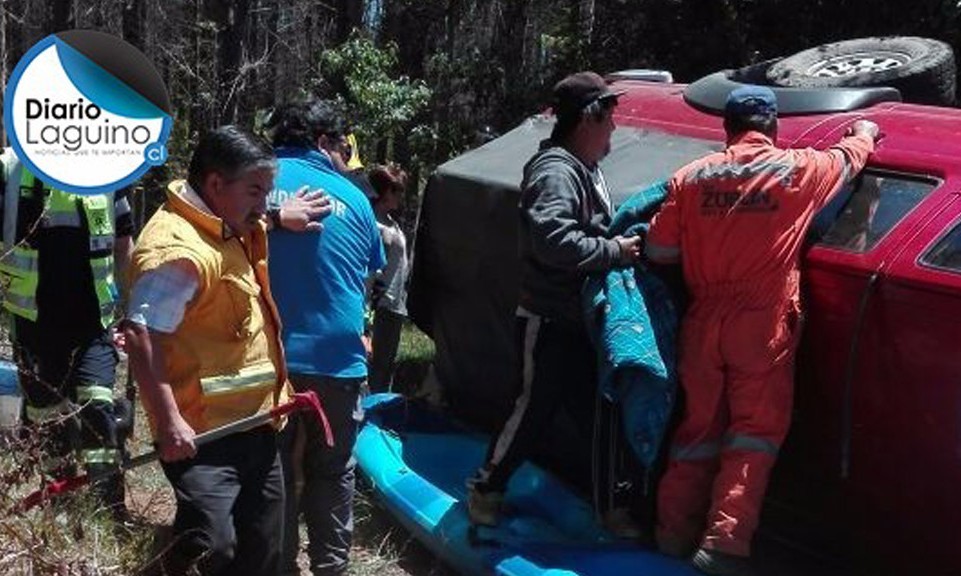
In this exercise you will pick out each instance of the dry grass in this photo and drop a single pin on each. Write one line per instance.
(72, 537)
(384, 548)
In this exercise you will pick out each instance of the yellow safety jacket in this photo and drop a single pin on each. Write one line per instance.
(29, 204)
(225, 361)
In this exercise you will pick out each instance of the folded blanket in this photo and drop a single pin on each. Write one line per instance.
(633, 321)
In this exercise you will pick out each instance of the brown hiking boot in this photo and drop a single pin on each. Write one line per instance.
(484, 508)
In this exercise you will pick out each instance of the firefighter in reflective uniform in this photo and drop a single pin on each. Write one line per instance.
(735, 220)
(58, 267)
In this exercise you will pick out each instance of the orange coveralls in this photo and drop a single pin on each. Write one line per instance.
(736, 220)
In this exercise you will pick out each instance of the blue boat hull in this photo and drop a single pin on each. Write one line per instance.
(417, 461)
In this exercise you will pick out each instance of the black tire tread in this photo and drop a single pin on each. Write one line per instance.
(928, 79)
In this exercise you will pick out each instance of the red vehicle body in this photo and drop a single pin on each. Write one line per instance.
(871, 469)
(874, 454)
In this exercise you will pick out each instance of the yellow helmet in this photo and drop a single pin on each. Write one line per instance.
(353, 162)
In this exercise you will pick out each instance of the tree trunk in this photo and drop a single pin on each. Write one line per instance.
(59, 16)
(132, 23)
(350, 15)
(373, 17)
(274, 48)
(3, 66)
(511, 41)
(230, 41)
(196, 118)
(14, 32)
(585, 30)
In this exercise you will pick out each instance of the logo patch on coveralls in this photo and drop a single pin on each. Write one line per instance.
(87, 112)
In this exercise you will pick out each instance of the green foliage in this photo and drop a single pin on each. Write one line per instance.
(415, 346)
(381, 104)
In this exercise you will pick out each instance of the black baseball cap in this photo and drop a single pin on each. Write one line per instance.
(578, 90)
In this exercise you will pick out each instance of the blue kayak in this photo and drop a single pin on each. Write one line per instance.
(417, 461)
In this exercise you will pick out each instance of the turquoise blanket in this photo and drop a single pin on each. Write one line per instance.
(633, 321)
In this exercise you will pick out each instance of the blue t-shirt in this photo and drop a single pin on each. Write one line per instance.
(317, 279)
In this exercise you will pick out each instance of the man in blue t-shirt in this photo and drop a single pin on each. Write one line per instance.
(318, 283)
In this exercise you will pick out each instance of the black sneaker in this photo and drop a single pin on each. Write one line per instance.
(721, 564)
(621, 524)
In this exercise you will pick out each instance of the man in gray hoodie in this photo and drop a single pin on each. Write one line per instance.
(565, 210)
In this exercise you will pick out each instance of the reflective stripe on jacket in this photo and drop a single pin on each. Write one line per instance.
(737, 218)
(30, 204)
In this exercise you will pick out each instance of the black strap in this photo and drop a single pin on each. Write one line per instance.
(850, 370)
(30, 210)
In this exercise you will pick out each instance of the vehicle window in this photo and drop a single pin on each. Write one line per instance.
(866, 209)
(947, 252)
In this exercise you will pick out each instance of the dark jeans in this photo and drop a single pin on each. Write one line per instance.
(386, 338)
(327, 495)
(230, 505)
(556, 367)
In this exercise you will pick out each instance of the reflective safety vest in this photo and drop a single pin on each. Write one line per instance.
(28, 205)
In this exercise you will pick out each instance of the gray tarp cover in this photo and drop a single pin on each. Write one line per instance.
(464, 282)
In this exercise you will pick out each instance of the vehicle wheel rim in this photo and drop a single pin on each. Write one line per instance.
(861, 63)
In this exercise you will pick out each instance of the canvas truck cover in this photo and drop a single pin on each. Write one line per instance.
(464, 282)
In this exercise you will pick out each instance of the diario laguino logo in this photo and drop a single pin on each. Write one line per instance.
(87, 112)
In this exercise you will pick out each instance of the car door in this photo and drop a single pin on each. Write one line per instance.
(851, 243)
(905, 463)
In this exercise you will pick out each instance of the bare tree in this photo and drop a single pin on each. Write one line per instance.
(60, 16)
(585, 29)
(3, 65)
(133, 13)
(350, 15)
(230, 41)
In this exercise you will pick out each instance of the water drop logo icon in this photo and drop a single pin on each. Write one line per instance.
(87, 112)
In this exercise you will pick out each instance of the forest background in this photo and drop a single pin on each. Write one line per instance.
(422, 80)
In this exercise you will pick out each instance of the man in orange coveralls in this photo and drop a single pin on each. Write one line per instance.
(736, 220)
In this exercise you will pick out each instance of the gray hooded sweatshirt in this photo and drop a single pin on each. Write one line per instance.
(563, 232)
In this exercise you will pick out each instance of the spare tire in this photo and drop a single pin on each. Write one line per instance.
(922, 69)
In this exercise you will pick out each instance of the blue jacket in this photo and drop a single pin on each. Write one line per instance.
(633, 321)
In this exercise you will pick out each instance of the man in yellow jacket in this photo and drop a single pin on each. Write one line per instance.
(203, 339)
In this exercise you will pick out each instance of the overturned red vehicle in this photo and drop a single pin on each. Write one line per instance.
(869, 474)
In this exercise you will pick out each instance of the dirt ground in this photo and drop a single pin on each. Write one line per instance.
(381, 547)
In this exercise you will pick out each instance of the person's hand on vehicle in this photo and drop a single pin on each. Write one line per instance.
(303, 211)
(631, 249)
(865, 128)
